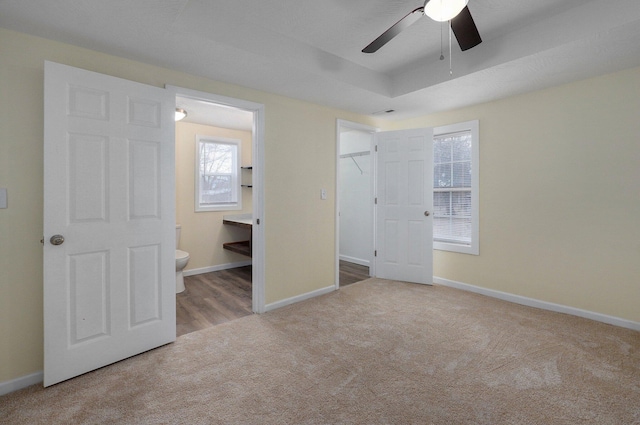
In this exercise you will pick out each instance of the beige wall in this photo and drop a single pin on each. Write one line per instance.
(299, 156)
(298, 171)
(203, 232)
(559, 195)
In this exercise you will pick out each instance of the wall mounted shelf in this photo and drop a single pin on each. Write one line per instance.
(248, 168)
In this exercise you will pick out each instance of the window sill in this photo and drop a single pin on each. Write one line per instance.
(234, 207)
(460, 249)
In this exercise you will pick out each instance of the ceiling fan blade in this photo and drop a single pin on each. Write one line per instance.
(394, 30)
(465, 30)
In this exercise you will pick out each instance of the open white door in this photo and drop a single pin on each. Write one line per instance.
(109, 183)
(404, 223)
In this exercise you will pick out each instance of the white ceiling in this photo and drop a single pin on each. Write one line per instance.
(311, 50)
(202, 112)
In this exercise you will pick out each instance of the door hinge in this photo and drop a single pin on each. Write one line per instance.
(375, 201)
(42, 240)
(375, 253)
(257, 221)
(376, 148)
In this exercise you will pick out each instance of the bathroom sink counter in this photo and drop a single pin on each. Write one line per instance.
(241, 220)
(246, 222)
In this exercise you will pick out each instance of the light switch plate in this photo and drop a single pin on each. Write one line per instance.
(323, 194)
(3, 198)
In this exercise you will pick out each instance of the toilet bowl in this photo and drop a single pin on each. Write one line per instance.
(182, 258)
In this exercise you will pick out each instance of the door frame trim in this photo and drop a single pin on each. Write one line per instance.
(257, 157)
(341, 125)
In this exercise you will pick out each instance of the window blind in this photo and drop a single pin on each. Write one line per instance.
(452, 215)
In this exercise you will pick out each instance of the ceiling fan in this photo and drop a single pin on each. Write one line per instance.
(454, 11)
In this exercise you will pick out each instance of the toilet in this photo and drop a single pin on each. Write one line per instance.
(182, 258)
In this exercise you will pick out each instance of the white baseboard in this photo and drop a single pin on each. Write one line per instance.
(354, 260)
(217, 268)
(20, 383)
(299, 298)
(531, 302)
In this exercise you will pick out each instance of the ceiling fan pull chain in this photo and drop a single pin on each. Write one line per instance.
(450, 59)
(441, 55)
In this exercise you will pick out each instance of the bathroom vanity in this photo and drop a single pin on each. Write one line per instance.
(244, 221)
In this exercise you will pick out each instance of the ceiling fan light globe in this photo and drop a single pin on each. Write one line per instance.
(444, 10)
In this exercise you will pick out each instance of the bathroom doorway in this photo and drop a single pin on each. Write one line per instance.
(221, 282)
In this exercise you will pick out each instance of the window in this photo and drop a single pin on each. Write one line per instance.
(455, 188)
(217, 174)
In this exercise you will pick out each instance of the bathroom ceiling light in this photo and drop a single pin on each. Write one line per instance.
(444, 10)
(180, 114)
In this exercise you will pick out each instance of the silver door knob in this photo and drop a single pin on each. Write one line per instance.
(427, 213)
(57, 240)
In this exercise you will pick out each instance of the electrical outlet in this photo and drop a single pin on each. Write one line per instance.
(323, 194)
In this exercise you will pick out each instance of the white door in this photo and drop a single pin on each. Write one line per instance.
(109, 183)
(404, 223)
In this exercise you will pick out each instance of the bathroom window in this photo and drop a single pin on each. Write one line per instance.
(455, 188)
(217, 179)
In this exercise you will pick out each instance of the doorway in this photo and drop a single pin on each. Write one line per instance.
(400, 200)
(355, 181)
(224, 284)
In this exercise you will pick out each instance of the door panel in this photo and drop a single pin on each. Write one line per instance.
(109, 288)
(404, 181)
(88, 296)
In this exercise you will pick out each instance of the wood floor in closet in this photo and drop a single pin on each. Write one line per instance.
(217, 297)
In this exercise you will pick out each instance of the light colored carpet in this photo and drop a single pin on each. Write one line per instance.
(376, 352)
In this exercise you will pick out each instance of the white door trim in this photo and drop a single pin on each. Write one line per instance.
(340, 125)
(258, 244)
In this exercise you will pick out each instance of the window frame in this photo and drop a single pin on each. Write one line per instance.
(474, 247)
(235, 175)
